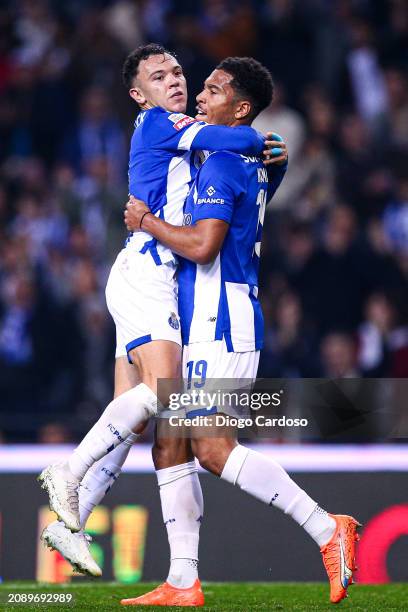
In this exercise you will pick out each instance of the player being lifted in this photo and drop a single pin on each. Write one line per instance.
(221, 318)
(177, 483)
(141, 298)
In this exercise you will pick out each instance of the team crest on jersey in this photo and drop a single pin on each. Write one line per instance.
(173, 321)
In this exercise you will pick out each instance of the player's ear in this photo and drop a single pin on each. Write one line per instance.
(137, 96)
(243, 109)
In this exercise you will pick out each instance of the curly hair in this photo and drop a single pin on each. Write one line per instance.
(251, 80)
(131, 64)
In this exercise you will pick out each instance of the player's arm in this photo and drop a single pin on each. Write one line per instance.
(200, 243)
(179, 132)
(241, 139)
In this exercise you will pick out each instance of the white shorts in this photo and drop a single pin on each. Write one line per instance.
(210, 367)
(142, 299)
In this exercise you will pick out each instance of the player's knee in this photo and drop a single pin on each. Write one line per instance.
(212, 453)
(167, 452)
(160, 454)
(205, 451)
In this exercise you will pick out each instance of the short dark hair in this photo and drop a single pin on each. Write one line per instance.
(131, 64)
(250, 80)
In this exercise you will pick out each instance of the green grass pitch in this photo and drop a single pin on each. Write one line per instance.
(220, 597)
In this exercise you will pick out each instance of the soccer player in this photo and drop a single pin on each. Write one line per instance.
(141, 296)
(221, 318)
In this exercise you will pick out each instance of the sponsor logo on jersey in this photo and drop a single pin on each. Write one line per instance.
(173, 321)
(182, 123)
(250, 159)
(210, 201)
(211, 190)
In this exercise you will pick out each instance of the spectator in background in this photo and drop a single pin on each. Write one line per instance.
(284, 120)
(393, 125)
(383, 340)
(366, 76)
(92, 202)
(330, 281)
(286, 30)
(281, 119)
(27, 353)
(290, 348)
(37, 225)
(97, 55)
(339, 356)
(395, 219)
(98, 336)
(226, 29)
(97, 137)
(355, 160)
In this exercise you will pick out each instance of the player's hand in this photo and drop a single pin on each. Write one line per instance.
(276, 151)
(135, 209)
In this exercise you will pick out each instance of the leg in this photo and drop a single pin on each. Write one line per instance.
(266, 480)
(102, 475)
(263, 478)
(126, 376)
(159, 367)
(139, 296)
(99, 479)
(129, 410)
(125, 414)
(258, 475)
(182, 507)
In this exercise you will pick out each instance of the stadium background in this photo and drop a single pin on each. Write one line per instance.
(334, 273)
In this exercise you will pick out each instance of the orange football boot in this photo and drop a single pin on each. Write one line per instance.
(167, 595)
(339, 556)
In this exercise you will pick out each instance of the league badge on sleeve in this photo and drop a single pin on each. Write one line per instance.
(180, 120)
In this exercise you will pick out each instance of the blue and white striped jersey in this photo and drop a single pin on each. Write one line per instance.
(162, 165)
(220, 300)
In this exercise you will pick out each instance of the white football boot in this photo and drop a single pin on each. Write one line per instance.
(74, 547)
(62, 488)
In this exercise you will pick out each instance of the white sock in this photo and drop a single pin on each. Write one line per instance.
(100, 477)
(123, 414)
(182, 507)
(320, 526)
(266, 480)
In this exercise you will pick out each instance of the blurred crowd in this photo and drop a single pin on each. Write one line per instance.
(334, 274)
